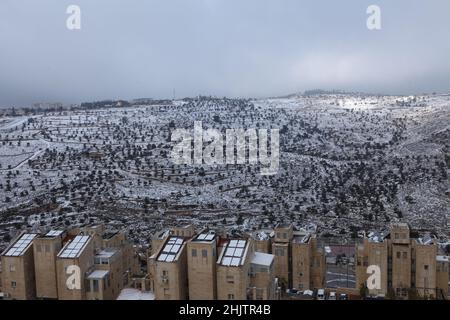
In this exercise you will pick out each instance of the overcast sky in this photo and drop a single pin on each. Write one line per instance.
(146, 48)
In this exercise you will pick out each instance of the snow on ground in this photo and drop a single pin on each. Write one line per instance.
(135, 294)
(347, 162)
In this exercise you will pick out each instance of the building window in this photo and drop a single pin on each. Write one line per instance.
(165, 273)
(425, 267)
(95, 285)
(366, 262)
(317, 262)
(12, 267)
(230, 279)
(13, 284)
(230, 296)
(204, 253)
(284, 235)
(396, 236)
(398, 254)
(194, 252)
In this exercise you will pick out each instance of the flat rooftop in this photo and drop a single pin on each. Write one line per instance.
(172, 247)
(443, 258)
(426, 240)
(98, 274)
(205, 237)
(234, 253)
(263, 235)
(263, 259)
(301, 239)
(54, 233)
(401, 225)
(283, 226)
(74, 248)
(378, 236)
(21, 245)
(186, 226)
(106, 253)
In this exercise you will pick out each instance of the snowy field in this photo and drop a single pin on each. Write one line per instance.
(347, 163)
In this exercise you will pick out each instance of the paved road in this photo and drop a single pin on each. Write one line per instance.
(340, 276)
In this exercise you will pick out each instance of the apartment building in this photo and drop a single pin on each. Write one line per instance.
(98, 285)
(104, 281)
(308, 263)
(81, 263)
(442, 278)
(96, 233)
(408, 266)
(262, 279)
(281, 248)
(399, 259)
(373, 251)
(1, 284)
(169, 270)
(263, 242)
(237, 272)
(423, 266)
(45, 251)
(18, 277)
(129, 268)
(201, 262)
(158, 240)
(186, 231)
(233, 269)
(73, 263)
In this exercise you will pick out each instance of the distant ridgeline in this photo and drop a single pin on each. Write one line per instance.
(316, 92)
(123, 103)
(39, 108)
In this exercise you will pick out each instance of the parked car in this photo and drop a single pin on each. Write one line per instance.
(343, 296)
(332, 296)
(292, 291)
(308, 293)
(321, 294)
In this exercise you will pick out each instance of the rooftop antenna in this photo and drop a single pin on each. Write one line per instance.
(173, 94)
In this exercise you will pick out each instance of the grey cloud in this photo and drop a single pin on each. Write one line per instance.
(129, 49)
